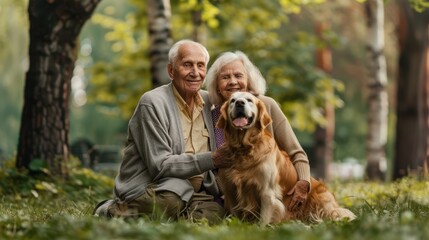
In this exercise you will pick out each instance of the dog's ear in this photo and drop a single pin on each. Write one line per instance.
(264, 116)
(223, 118)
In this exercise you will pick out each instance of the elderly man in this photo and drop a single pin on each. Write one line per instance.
(166, 168)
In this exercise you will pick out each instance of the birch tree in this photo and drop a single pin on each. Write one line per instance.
(159, 26)
(377, 94)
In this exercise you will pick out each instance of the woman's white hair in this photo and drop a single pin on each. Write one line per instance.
(256, 82)
(174, 51)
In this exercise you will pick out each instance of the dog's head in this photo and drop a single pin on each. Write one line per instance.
(243, 111)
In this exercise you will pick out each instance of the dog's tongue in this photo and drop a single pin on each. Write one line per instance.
(240, 122)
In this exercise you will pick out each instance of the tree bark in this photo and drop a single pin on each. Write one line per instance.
(159, 19)
(412, 120)
(426, 112)
(377, 118)
(54, 29)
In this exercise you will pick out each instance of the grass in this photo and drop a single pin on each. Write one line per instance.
(47, 208)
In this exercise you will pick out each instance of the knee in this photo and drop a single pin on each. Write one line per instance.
(169, 203)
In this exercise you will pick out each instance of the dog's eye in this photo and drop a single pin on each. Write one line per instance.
(249, 100)
(232, 100)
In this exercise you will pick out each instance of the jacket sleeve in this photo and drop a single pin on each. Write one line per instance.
(287, 140)
(158, 140)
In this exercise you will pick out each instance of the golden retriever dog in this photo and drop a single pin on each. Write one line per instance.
(256, 185)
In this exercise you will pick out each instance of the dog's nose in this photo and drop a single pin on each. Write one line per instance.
(239, 103)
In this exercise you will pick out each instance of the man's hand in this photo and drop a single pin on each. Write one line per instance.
(299, 191)
(218, 160)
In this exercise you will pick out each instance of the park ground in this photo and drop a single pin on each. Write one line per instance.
(45, 207)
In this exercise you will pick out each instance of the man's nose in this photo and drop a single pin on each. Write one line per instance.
(194, 69)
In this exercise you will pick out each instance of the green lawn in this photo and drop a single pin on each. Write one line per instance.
(47, 208)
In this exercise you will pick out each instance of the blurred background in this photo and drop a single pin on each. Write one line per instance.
(313, 56)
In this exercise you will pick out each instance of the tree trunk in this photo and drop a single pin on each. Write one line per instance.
(197, 21)
(412, 121)
(426, 112)
(377, 118)
(54, 29)
(159, 17)
(324, 135)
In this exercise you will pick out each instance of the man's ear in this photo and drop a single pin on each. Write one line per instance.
(223, 119)
(264, 117)
(170, 70)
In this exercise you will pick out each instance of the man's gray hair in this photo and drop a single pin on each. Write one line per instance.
(174, 50)
(256, 82)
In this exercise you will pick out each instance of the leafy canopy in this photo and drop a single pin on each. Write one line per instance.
(260, 29)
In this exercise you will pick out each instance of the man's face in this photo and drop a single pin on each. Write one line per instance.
(189, 71)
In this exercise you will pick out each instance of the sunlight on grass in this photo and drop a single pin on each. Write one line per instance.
(49, 208)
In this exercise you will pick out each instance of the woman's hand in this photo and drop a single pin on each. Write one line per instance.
(299, 195)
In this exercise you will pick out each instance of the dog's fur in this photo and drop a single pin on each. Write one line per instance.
(256, 185)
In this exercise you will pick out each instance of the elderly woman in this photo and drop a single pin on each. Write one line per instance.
(232, 72)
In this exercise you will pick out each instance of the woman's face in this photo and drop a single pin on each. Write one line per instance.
(232, 78)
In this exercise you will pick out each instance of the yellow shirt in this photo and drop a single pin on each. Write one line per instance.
(196, 135)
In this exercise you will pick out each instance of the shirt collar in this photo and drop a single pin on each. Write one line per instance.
(198, 100)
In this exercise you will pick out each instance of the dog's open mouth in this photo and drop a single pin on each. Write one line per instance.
(241, 121)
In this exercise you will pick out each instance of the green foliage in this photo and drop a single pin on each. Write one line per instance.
(13, 64)
(208, 11)
(420, 5)
(21, 184)
(259, 29)
(292, 6)
(284, 55)
(299, 86)
(37, 165)
(122, 80)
